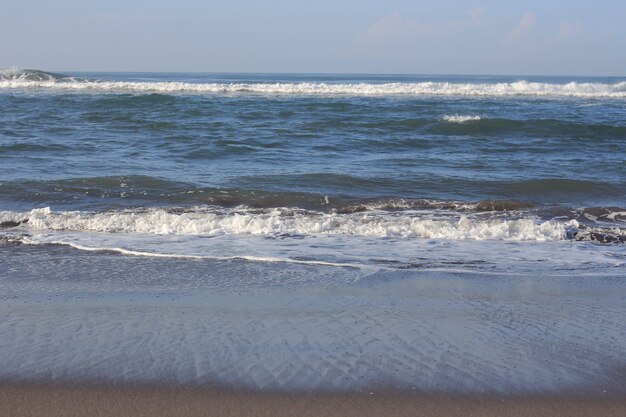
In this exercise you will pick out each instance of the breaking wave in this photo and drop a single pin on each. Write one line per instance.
(33, 79)
(292, 222)
(91, 193)
(17, 76)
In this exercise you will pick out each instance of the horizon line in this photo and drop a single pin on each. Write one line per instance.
(401, 74)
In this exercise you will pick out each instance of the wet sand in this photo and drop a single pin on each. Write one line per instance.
(104, 334)
(21, 400)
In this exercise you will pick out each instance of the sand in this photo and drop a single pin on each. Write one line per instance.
(20, 400)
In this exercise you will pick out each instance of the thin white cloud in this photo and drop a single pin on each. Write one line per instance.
(392, 24)
(396, 25)
(526, 23)
(477, 13)
(568, 30)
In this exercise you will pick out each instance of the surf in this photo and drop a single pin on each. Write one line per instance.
(40, 80)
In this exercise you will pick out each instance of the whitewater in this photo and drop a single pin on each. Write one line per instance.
(25, 79)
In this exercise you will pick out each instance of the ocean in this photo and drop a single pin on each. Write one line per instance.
(118, 186)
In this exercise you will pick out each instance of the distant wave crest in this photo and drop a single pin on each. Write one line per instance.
(459, 118)
(34, 79)
(14, 76)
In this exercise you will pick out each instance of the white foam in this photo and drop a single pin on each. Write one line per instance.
(407, 224)
(459, 118)
(10, 73)
(18, 75)
(616, 215)
(518, 88)
(346, 250)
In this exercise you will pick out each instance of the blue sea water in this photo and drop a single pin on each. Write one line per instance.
(360, 170)
(314, 232)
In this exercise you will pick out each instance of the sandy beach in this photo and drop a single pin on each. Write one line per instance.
(19, 400)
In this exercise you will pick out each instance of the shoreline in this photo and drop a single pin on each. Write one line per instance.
(249, 326)
(67, 400)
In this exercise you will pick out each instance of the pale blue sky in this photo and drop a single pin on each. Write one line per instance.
(392, 36)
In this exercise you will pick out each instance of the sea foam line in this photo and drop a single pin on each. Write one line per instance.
(518, 88)
(130, 252)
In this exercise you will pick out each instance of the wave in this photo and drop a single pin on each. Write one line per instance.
(459, 118)
(291, 222)
(481, 126)
(140, 190)
(9, 75)
(33, 79)
(328, 193)
(397, 204)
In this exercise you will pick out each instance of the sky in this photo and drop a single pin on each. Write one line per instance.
(532, 37)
